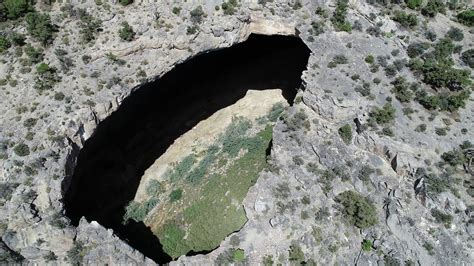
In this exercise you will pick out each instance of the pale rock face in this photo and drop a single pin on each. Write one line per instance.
(329, 100)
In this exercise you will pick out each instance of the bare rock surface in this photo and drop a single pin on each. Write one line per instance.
(32, 221)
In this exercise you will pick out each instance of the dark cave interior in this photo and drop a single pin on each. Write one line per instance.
(113, 160)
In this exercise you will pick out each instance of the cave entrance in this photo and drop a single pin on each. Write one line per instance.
(114, 159)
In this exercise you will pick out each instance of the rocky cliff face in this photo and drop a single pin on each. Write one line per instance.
(423, 208)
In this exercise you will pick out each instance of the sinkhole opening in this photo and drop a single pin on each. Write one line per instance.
(117, 157)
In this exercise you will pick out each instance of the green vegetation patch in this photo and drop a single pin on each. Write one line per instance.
(203, 204)
(466, 17)
(338, 19)
(357, 209)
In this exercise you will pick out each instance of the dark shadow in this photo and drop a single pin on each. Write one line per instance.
(124, 145)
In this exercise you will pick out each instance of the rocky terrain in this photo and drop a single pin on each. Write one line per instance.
(371, 164)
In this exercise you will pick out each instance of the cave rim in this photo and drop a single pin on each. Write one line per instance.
(67, 183)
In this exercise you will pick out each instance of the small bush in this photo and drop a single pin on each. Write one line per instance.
(229, 7)
(125, 2)
(406, 20)
(417, 49)
(433, 7)
(455, 34)
(468, 57)
(466, 17)
(46, 78)
(21, 149)
(154, 188)
(369, 59)
(414, 4)
(441, 131)
(442, 217)
(346, 133)
(317, 27)
(401, 90)
(357, 209)
(295, 254)
(14, 9)
(176, 195)
(176, 10)
(197, 14)
(366, 245)
(138, 211)
(190, 30)
(365, 172)
(39, 27)
(4, 44)
(35, 55)
(126, 33)
(454, 157)
(339, 17)
(338, 60)
(383, 115)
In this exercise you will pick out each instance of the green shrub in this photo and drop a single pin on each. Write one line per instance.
(275, 112)
(154, 188)
(441, 131)
(176, 195)
(295, 254)
(46, 78)
(401, 90)
(317, 28)
(454, 157)
(229, 7)
(365, 172)
(346, 133)
(238, 255)
(369, 59)
(416, 49)
(59, 96)
(138, 211)
(268, 259)
(406, 20)
(126, 33)
(4, 44)
(34, 55)
(18, 39)
(29, 122)
(89, 26)
(383, 115)
(16, 8)
(414, 4)
(125, 2)
(442, 217)
(366, 245)
(358, 210)
(231, 256)
(429, 248)
(466, 17)
(176, 10)
(197, 14)
(190, 30)
(455, 34)
(339, 17)
(468, 57)
(39, 27)
(21, 149)
(182, 168)
(433, 7)
(337, 60)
